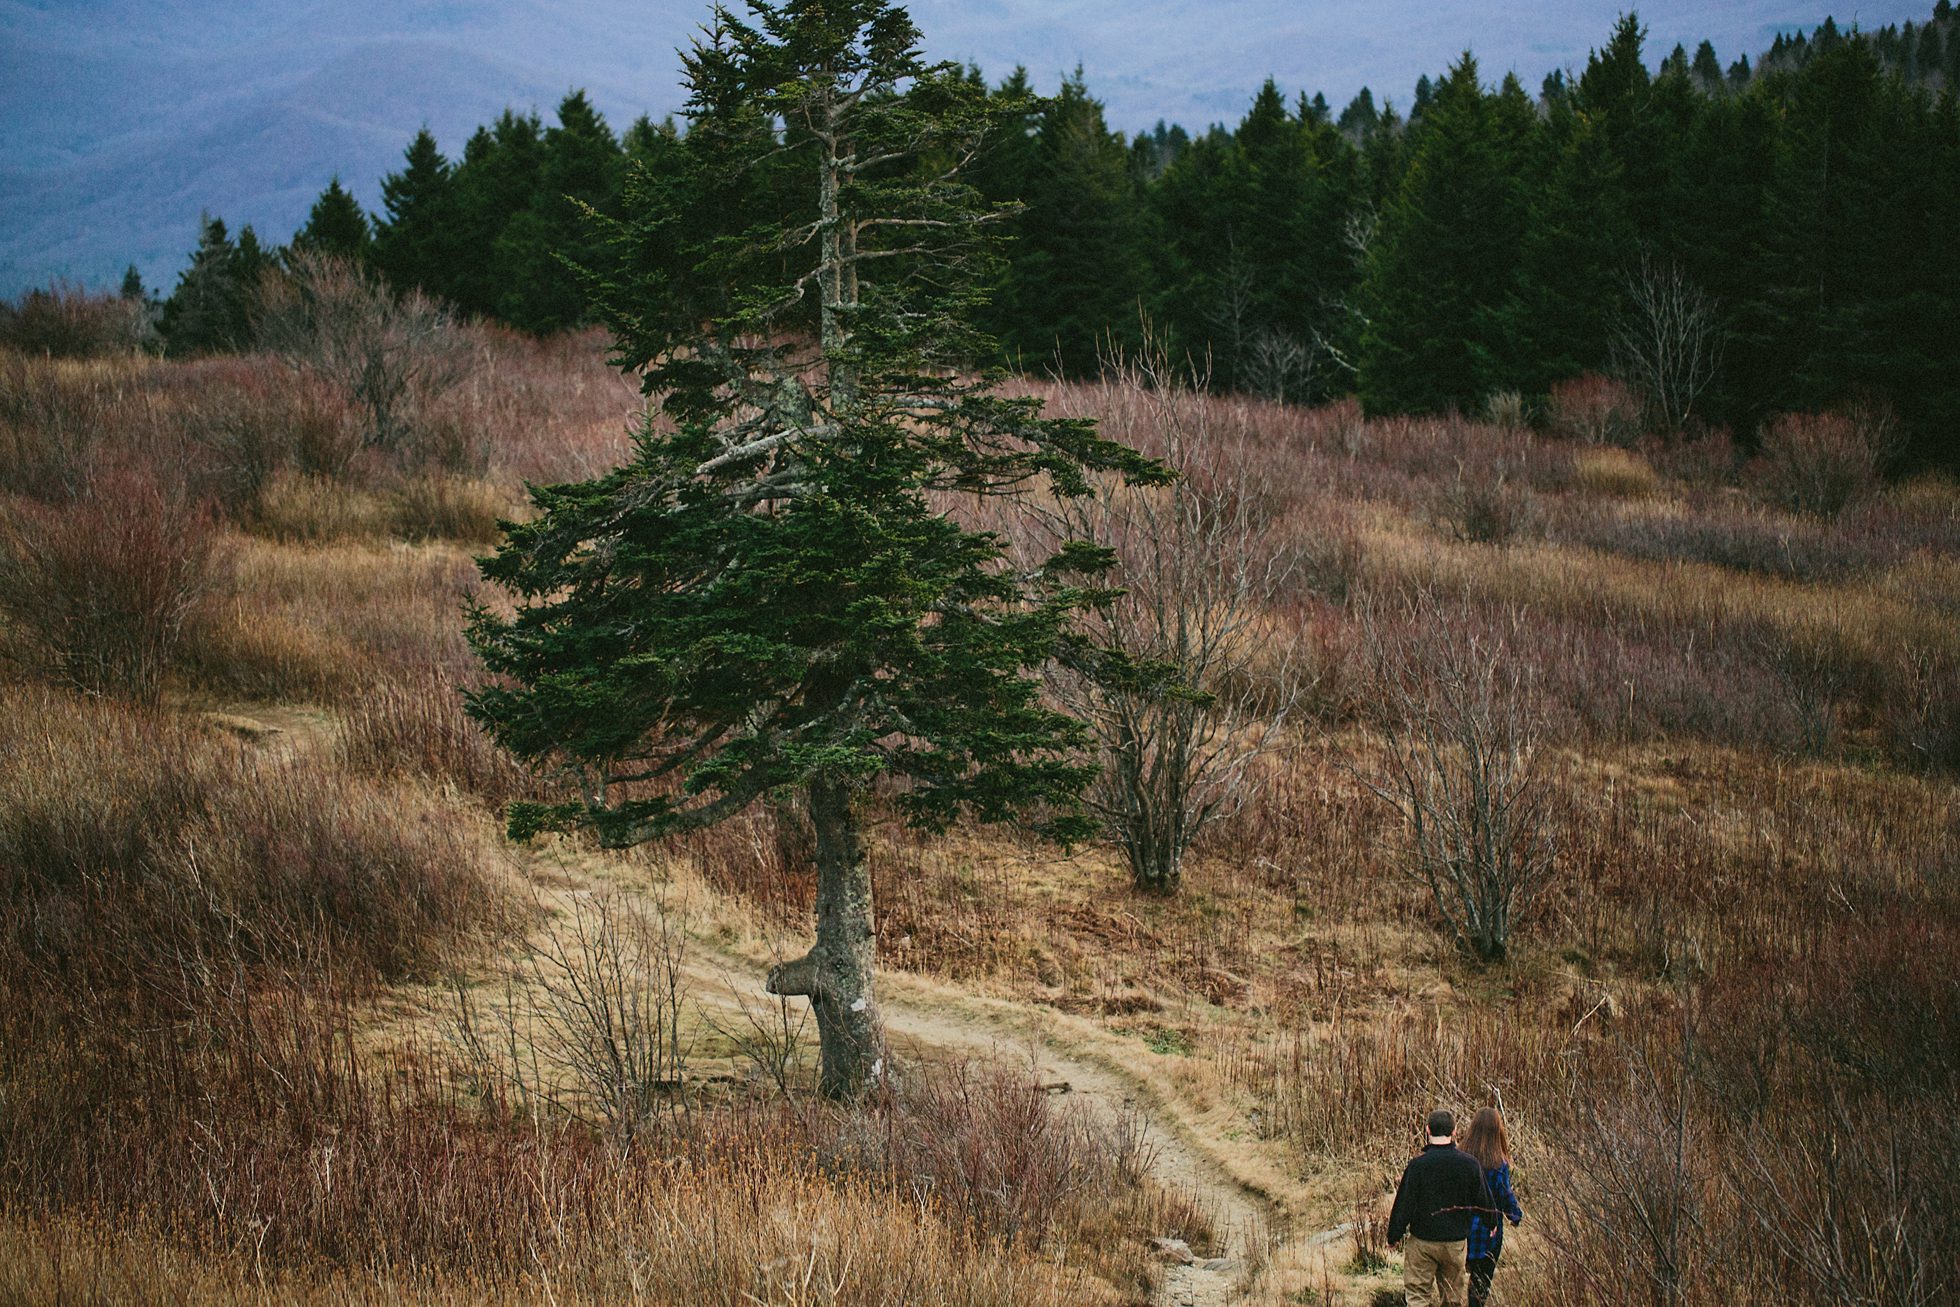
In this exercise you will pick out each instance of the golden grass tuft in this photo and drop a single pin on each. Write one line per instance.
(1609, 473)
(301, 508)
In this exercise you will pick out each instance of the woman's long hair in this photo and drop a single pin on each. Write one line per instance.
(1488, 1141)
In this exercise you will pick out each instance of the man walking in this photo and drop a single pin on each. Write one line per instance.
(1440, 1189)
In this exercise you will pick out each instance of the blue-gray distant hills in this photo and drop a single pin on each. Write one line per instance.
(125, 120)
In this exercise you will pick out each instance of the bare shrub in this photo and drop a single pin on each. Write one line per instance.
(136, 853)
(1921, 710)
(1849, 1206)
(1330, 554)
(1506, 408)
(257, 434)
(1369, 1234)
(1814, 675)
(101, 593)
(67, 322)
(1480, 506)
(592, 1024)
(1594, 410)
(1823, 463)
(390, 354)
(771, 1036)
(1668, 342)
(56, 417)
(988, 1143)
(1184, 682)
(1462, 770)
(1626, 1220)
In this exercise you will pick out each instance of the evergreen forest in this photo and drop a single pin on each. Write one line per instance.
(1483, 241)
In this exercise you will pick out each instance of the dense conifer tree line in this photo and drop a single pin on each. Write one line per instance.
(1486, 242)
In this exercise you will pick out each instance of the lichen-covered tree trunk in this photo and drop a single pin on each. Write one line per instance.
(836, 974)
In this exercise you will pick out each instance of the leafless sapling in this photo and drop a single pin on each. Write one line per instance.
(1190, 678)
(1461, 766)
(1668, 341)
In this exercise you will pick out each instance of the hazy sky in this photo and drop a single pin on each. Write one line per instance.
(125, 118)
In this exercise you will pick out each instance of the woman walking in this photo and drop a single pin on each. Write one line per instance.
(1490, 1143)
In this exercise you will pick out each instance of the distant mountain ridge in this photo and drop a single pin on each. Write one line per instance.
(125, 121)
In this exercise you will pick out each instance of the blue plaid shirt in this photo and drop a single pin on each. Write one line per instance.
(1487, 1231)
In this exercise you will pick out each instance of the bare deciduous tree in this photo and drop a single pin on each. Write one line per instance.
(1460, 765)
(1187, 680)
(1233, 309)
(1345, 312)
(1668, 343)
(390, 353)
(1279, 367)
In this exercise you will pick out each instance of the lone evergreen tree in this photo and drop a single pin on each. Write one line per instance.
(768, 596)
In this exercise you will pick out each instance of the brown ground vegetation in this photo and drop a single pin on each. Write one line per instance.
(1724, 1033)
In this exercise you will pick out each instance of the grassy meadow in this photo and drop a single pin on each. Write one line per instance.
(284, 1019)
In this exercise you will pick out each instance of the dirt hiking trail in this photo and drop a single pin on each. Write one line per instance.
(1263, 1216)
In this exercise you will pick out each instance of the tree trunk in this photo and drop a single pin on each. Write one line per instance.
(1156, 859)
(836, 974)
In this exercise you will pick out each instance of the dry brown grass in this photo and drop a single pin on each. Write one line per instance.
(702, 1236)
(1755, 719)
(1614, 474)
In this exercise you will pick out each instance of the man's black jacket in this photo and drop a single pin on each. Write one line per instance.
(1439, 1191)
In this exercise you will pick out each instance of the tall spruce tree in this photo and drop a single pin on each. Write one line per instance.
(1443, 259)
(766, 597)
(1707, 68)
(1573, 263)
(336, 225)
(501, 175)
(1360, 116)
(1616, 92)
(209, 312)
(1075, 272)
(581, 168)
(415, 244)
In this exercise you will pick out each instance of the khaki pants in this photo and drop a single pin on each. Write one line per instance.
(1433, 1273)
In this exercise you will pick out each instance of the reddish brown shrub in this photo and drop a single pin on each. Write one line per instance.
(1594, 409)
(67, 322)
(136, 853)
(101, 593)
(1822, 463)
(989, 1144)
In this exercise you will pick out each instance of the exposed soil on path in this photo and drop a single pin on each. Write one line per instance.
(1063, 1051)
(1258, 1211)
